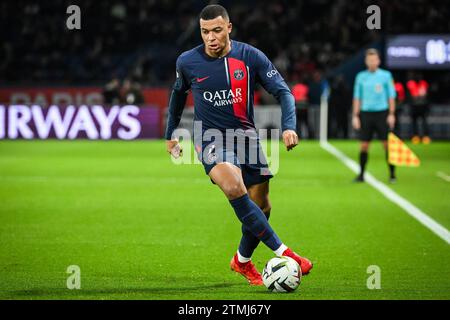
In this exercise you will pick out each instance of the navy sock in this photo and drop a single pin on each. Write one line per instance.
(249, 242)
(254, 219)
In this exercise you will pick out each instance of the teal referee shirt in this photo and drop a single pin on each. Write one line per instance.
(374, 89)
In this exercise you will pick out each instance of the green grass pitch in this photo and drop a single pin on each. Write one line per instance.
(140, 227)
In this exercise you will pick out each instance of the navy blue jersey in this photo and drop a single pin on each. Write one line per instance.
(223, 88)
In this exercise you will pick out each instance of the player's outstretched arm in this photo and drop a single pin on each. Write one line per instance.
(288, 120)
(176, 106)
(274, 83)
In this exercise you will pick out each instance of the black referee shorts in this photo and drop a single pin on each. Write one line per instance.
(373, 122)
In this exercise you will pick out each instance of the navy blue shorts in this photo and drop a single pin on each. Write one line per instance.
(246, 155)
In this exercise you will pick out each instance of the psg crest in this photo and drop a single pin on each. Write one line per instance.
(238, 74)
(212, 156)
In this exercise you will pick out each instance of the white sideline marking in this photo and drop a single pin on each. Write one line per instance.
(442, 175)
(412, 210)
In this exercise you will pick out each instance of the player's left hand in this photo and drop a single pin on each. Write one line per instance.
(391, 121)
(290, 139)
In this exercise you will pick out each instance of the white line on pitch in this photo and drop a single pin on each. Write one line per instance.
(442, 175)
(412, 210)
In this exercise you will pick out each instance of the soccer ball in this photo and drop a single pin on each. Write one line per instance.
(282, 274)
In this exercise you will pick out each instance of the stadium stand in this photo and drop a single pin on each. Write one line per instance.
(143, 38)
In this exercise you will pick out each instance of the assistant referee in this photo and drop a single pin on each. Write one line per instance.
(373, 108)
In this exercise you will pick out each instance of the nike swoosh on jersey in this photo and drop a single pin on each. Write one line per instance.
(202, 79)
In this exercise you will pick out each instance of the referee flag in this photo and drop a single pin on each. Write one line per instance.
(400, 154)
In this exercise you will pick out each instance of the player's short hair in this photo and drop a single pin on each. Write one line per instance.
(372, 51)
(213, 11)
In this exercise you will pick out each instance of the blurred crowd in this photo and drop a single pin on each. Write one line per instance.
(126, 45)
(142, 38)
(127, 91)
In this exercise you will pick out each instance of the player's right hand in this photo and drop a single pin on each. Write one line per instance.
(356, 122)
(174, 148)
